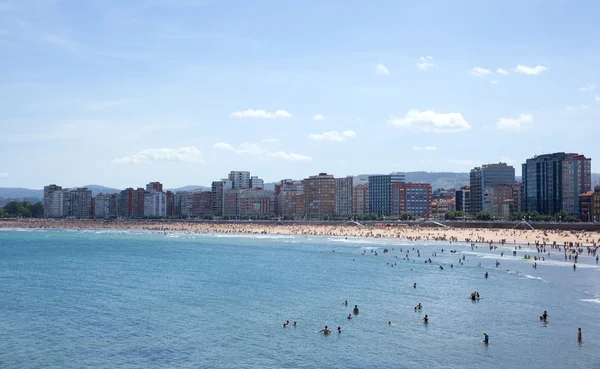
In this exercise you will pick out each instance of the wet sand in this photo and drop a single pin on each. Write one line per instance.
(411, 233)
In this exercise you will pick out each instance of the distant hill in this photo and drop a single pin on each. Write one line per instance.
(189, 188)
(96, 189)
(19, 193)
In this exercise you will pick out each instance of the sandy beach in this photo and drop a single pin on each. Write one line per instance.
(412, 233)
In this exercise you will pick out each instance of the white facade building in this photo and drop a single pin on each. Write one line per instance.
(239, 179)
(155, 204)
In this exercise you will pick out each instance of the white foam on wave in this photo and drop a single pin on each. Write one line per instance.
(596, 300)
(533, 277)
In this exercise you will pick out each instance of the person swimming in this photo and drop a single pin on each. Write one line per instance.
(325, 331)
(418, 307)
(390, 322)
(349, 316)
(346, 302)
(426, 319)
(415, 285)
(339, 330)
(355, 310)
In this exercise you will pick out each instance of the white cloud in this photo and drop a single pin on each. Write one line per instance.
(425, 63)
(251, 113)
(430, 121)
(3, 175)
(426, 148)
(502, 71)
(223, 146)
(479, 72)
(270, 140)
(381, 69)
(587, 88)
(290, 156)
(318, 117)
(532, 71)
(427, 161)
(243, 148)
(249, 148)
(461, 162)
(332, 136)
(580, 106)
(188, 154)
(494, 82)
(513, 123)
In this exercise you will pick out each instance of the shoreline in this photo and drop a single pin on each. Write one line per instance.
(479, 236)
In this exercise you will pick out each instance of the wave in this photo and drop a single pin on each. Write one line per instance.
(596, 300)
(533, 277)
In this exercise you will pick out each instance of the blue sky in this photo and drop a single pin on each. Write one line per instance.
(121, 93)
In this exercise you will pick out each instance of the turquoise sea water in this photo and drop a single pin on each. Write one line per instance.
(107, 300)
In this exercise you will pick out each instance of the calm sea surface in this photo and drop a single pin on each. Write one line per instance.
(107, 300)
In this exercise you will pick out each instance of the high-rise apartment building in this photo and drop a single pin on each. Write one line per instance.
(78, 203)
(290, 199)
(155, 204)
(319, 192)
(239, 179)
(413, 198)
(53, 201)
(498, 200)
(154, 186)
(256, 183)
(230, 203)
(218, 189)
(489, 175)
(360, 199)
(576, 179)
(343, 195)
(553, 182)
(463, 200)
(256, 202)
(131, 203)
(380, 192)
(105, 205)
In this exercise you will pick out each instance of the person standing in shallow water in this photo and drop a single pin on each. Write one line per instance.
(579, 339)
(355, 310)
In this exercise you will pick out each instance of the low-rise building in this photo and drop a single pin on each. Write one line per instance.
(441, 207)
(589, 205)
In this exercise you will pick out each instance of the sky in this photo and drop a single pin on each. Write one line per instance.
(121, 93)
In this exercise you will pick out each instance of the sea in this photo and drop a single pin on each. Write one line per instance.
(116, 299)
